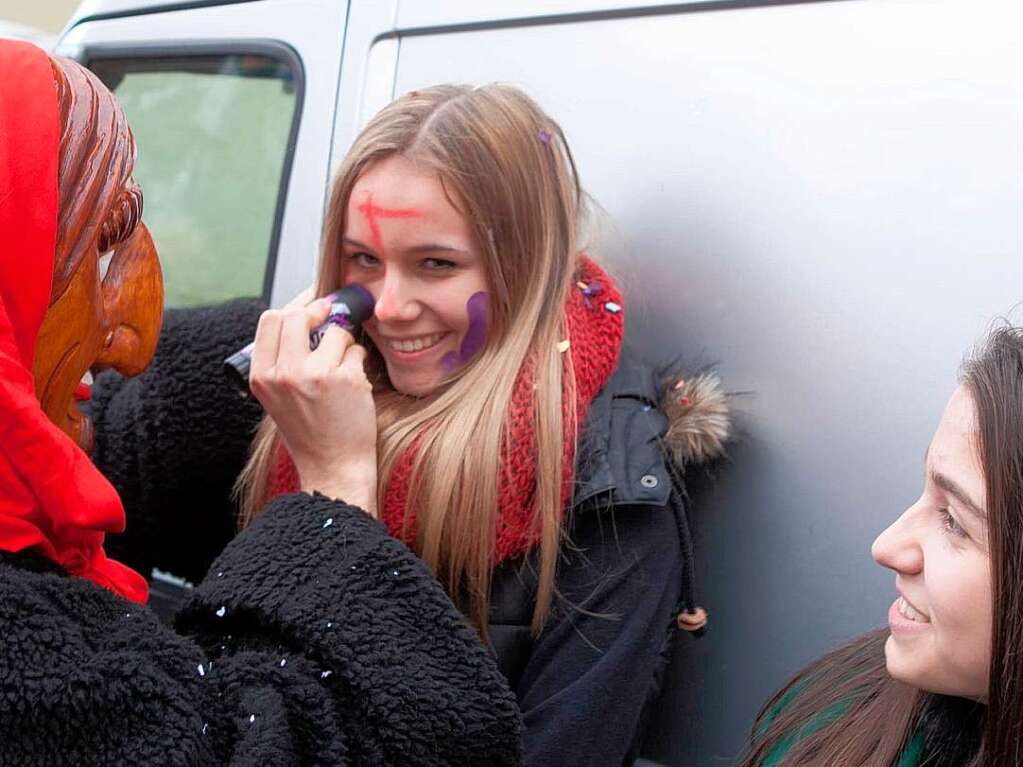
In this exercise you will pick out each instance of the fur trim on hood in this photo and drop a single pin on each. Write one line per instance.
(699, 421)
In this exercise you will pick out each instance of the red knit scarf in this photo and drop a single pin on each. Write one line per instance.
(595, 323)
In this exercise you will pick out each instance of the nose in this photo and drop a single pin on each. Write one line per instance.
(396, 298)
(898, 547)
(132, 304)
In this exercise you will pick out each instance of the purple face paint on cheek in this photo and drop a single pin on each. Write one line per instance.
(475, 337)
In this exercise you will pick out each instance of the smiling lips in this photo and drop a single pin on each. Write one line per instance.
(414, 344)
(910, 613)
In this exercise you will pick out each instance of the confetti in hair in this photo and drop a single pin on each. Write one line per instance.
(544, 135)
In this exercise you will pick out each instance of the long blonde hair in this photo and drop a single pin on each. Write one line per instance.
(506, 165)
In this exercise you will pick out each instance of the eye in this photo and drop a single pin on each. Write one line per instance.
(364, 260)
(950, 525)
(438, 264)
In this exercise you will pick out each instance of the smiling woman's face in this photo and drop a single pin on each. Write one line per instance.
(408, 244)
(941, 623)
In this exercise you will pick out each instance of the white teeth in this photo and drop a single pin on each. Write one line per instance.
(415, 344)
(907, 611)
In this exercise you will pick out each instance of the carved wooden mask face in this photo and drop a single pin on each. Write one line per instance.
(106, 302)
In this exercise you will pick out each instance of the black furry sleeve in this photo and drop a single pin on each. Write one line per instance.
(314, 614)
(174, 439)
(315, 640)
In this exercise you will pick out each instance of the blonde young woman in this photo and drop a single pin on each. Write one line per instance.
(487, 415)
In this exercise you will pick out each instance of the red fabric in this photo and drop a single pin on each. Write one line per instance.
(53, 500)
(595, 335)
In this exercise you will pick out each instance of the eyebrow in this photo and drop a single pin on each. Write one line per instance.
(428, 247)
(949, 486)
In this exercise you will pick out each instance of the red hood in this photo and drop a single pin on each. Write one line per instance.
(53, 500)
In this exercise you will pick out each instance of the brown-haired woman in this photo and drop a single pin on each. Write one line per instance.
(499, 429)
(944, 683)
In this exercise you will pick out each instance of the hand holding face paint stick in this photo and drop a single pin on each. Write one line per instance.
(321, 401)
(350, 306)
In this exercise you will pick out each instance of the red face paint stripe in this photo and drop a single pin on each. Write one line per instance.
(372, 213)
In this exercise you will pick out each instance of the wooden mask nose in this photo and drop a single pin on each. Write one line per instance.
(133, 304)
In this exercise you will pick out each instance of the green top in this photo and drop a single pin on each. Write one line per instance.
(910, 756)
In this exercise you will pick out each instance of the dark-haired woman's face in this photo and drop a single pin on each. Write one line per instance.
(941, 622)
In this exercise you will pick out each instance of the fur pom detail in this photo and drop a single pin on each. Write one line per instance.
(699, 422)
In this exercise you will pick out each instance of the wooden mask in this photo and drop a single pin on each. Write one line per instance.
(106, 301)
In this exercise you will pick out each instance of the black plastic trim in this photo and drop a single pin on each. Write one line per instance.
(572, 17)
(273, 49)
(184, 5)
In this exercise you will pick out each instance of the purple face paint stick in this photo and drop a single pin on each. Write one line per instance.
(475, 337)
(350, 306)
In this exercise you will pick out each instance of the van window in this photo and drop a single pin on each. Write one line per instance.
(213, 135)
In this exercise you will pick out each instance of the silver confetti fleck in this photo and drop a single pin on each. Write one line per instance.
(612, 307)
(252, 718)
(284, 662)
(329, 522)
(395, 572)
(222, 611)
(330, 624)
(204, 726)
(220, 574)
(325, 674)
(202, 671)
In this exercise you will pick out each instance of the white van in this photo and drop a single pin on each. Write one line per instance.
(823, 196)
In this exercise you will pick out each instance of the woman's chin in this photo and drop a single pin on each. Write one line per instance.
(898, 661)
(419, 384)
(417, 375)
(912, 665)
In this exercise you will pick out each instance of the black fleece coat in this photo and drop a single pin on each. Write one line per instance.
(315, 638)
(174, 440)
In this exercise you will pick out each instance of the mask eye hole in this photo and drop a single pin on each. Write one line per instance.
(104, 264)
